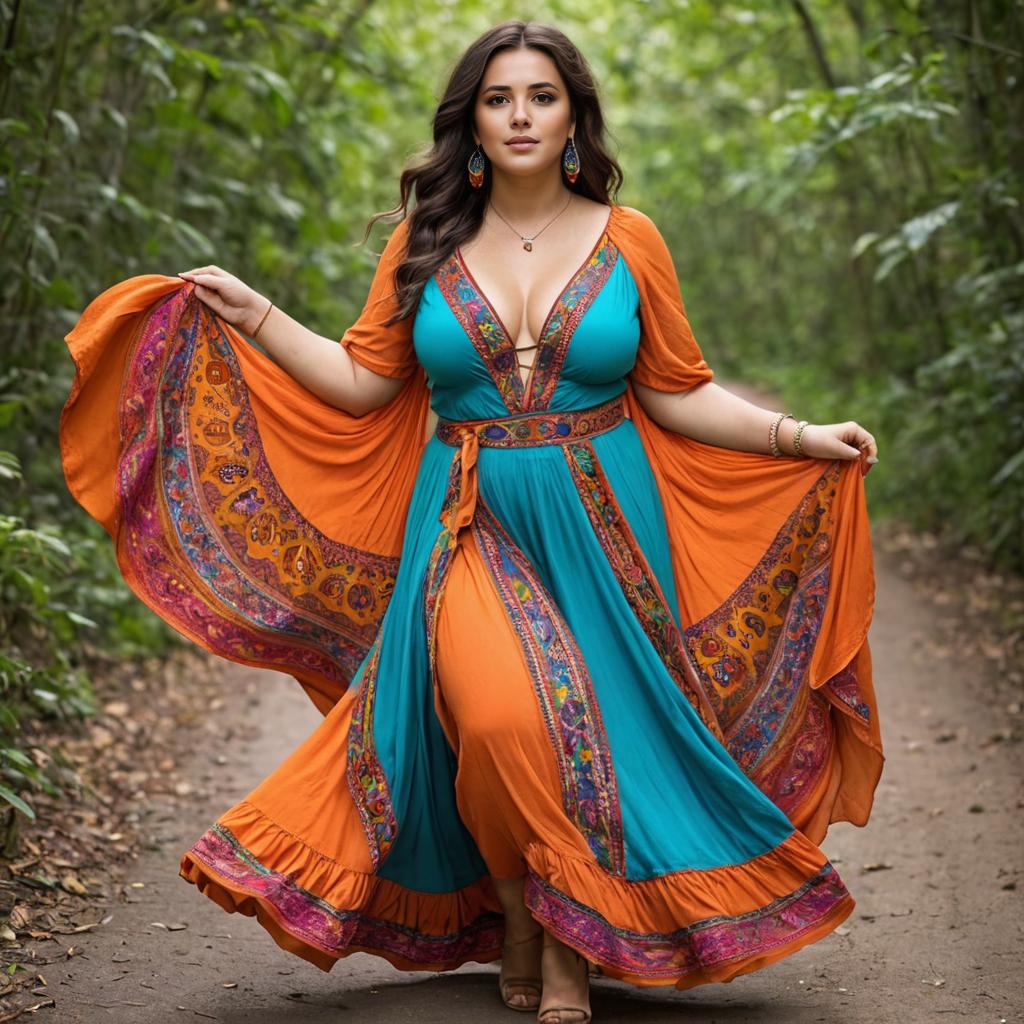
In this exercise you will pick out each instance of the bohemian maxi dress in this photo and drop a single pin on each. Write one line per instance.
(553, 639)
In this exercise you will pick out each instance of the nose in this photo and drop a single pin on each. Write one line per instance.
(519, 115)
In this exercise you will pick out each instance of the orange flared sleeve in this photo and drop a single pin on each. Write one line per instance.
(387, 350)
(668, 357)
(259, 521)
(774, 578)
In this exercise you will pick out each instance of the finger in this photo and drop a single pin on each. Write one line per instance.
(869, 445)
(208, 295)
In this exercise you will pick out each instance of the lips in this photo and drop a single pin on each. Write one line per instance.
(519, 139)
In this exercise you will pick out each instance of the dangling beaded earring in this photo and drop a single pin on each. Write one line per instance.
(476, 167)
(571, 161)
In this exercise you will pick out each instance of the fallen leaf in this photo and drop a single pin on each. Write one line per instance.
(71, 884)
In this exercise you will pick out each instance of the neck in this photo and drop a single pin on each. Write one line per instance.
(528, 202)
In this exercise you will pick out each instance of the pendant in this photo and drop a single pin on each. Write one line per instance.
(528, 246)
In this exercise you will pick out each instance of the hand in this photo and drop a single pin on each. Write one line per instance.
(231, 299)
(839, 441)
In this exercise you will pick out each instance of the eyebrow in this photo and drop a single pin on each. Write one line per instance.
(536, 85)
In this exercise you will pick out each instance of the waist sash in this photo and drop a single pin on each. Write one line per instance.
(526, 430)
(530, 430)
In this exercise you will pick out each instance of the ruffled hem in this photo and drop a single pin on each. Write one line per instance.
(685, 928)
(320, 910)
(692, 927)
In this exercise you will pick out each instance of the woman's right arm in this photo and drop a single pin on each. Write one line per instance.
(319, 364)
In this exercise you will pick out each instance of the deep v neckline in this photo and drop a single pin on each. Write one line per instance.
(525, 387)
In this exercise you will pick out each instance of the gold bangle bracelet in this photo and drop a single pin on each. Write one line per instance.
(260, 324)
(796, 438)
(773, 432)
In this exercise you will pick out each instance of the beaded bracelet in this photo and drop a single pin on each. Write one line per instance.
(773, 432)
(796, 437)
(260, 324)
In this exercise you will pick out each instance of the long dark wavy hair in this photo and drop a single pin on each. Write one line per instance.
(448, 209)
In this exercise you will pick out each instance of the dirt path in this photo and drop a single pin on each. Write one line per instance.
(936, 935)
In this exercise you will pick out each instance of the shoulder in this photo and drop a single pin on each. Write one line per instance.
(638, 237)
(635, 222)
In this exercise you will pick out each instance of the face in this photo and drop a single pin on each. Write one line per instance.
(522, 93)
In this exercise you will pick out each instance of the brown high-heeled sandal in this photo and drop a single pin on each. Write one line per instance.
(557, 1014)
(505, 982)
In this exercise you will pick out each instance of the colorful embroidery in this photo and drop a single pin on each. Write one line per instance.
(532, 430)
(564, 691)
(846, 688)
(495, 345)
(212, 540)
(333, 929)
(635, 577)
(484, 329)
(705, 944)
(366, 779)
(562, 321)
(440, 560)
(754, 652)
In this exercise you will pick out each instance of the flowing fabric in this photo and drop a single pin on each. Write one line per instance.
(555, 639)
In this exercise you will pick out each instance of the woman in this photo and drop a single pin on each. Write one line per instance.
(525, 752)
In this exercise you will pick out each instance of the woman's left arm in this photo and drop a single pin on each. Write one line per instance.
(715, 416)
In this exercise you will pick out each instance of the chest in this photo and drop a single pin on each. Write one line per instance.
(588, 335)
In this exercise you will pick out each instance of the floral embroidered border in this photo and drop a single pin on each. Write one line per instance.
(635, 577)
(248, 573)
(564, 691)
(706, 944)
(754, 652)
(564, 318)
(536, 429)
(331, 929)
(366, 779)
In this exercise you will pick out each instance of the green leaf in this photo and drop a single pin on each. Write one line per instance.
(16, 801)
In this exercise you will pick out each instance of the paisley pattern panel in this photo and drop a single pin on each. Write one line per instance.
(215, 544)
(754, 653)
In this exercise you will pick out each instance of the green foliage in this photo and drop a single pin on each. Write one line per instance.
(840, 184)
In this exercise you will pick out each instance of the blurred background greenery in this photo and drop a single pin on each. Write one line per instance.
(839, 183)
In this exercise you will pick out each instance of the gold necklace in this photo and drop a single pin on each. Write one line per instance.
(528, 241)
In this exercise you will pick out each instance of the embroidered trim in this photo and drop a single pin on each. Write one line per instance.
(638, 582)
(564, 691)
(705, 944)
(333, 929)
(563, 320)
(367, 782)
(212, 540)
(440, 561)
(530, 431)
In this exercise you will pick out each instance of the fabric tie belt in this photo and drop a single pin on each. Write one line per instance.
(525, 430)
